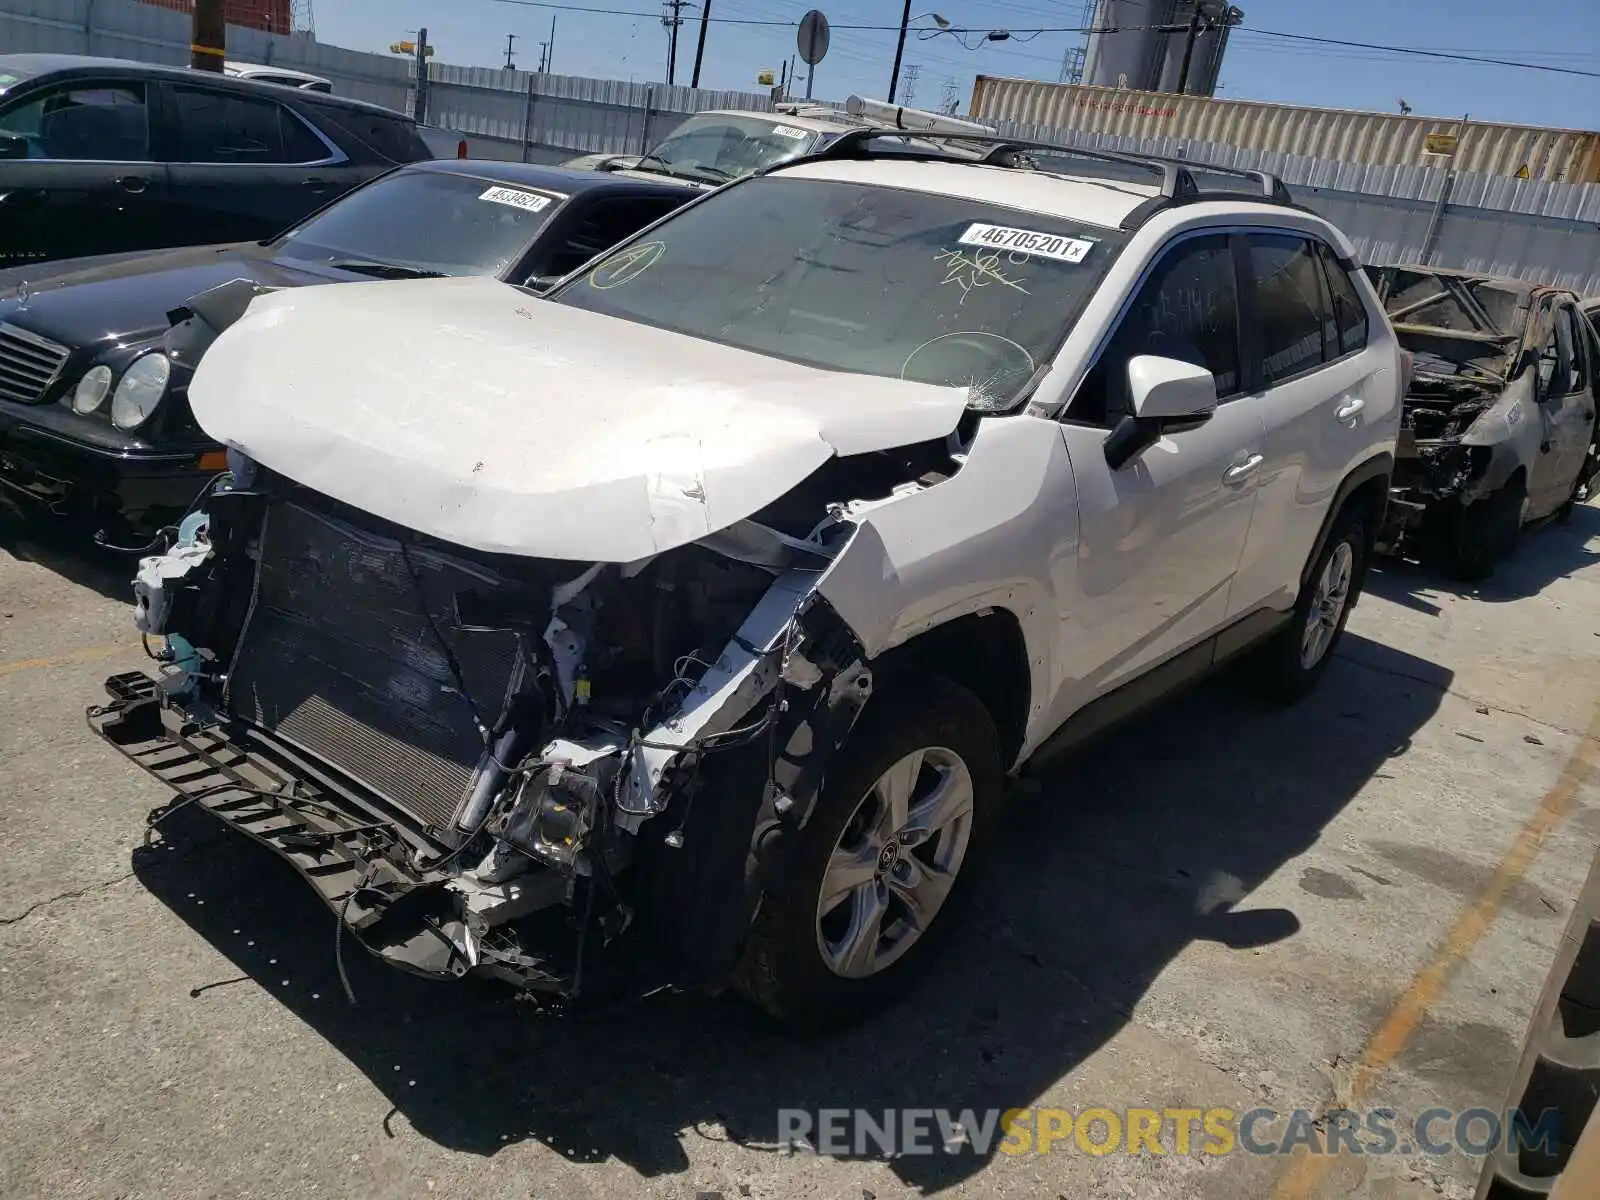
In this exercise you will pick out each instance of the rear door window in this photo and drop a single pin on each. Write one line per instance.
(1289, 305)
(83, 121)
(391, 138)
(224, 127)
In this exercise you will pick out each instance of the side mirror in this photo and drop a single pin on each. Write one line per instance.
(13, 146)
(1168, 396)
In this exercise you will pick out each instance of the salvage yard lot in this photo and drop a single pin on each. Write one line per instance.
(1219, 906)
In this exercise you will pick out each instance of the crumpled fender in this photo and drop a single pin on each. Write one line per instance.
(1515, 427)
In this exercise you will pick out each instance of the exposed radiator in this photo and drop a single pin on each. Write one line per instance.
(339, 659)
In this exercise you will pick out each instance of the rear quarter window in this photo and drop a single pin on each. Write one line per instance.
(390, 138)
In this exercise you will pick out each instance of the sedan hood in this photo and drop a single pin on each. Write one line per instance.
(123, 299)
(470, 411)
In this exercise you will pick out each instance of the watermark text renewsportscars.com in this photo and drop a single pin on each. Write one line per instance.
(1101, 1131)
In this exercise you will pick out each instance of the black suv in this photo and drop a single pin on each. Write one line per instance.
(100, 155)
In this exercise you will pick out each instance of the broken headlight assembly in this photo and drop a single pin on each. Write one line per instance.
(143, 386)
(1452, 467)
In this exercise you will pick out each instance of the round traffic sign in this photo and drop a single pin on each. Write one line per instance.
(812, 40)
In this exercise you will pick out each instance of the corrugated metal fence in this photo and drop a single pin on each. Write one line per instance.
(1531, 229)
(1524, 228)
(506, 110)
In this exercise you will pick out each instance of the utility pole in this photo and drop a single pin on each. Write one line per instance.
(510, 66)
(700, 50)
(899, 49)
(208, 36)
(672, 22)
(544, 50)
(550, 58)
(420, 116)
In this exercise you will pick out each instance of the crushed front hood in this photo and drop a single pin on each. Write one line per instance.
(470, 411)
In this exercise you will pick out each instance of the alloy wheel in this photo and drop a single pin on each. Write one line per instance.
(1327, 605)
(895, 862)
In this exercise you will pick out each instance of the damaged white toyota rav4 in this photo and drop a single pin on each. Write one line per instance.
(682, 626)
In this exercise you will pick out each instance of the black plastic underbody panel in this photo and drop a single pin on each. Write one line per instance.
(329, 839)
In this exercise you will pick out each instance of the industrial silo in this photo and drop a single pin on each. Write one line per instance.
(1123, 51)
(1140, 44)
(1211, 39)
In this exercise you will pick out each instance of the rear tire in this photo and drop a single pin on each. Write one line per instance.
(816, 961)
(1288, 666)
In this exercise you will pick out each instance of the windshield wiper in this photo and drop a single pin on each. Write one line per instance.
(711, 174)
(383, 270)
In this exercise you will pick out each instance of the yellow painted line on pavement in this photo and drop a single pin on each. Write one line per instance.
(1305, 1171)
(88, 654)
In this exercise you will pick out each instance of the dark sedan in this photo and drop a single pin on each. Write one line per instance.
(94, 415)
(99, 155)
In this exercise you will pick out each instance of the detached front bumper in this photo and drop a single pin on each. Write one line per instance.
(349, 846)
(45, 469)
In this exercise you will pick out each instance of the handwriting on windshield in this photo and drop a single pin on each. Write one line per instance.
(970, 271)
(626, 265)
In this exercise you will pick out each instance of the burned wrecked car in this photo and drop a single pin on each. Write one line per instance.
(686, 622)
(1499, 424)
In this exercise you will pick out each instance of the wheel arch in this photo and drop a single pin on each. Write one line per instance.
(984, 652)
(1365, 491)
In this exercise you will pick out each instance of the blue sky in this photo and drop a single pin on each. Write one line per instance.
(1566, 33)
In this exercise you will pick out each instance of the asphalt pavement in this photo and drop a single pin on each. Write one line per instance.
(1350, 903)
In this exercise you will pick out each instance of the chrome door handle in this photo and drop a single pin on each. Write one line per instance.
(1350, 409)
(1239, 472)
(133, 184)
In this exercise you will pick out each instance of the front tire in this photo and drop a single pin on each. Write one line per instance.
(885, 865)
(1289, 665)
(1475, 538)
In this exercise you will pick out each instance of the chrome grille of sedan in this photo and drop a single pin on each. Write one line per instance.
(29, 364)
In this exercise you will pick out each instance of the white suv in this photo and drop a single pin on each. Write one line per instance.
(683, 626)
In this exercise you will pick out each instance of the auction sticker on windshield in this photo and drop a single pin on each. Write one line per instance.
(1026, 241)
(789, 131)
(517, 198)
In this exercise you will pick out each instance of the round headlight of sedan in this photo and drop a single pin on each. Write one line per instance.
(141, 389)
(91, 390)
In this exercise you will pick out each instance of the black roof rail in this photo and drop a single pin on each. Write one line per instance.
(1177, 184)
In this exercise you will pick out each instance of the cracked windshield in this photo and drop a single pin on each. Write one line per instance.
(720, 147)
(877, 280)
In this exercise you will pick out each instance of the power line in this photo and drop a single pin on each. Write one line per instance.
(1028, 33)
(1423, 52)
